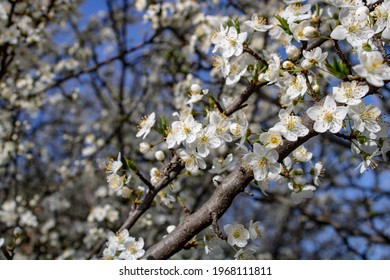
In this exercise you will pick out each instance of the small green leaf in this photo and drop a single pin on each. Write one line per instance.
(337, 68)
(284, 24)
(131, 164)
(162, 127)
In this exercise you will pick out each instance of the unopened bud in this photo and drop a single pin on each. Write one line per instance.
(171, 228)
(195, 88)
(306, 64)
(310, 32)
(17, 232)
(144, 147)
(160, 156)
(288, 65)
(292, 52)
(316, 88)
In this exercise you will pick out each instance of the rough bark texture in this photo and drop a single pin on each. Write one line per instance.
(191, 225)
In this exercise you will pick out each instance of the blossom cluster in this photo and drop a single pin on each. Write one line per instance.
(123, 246)
(200, 133)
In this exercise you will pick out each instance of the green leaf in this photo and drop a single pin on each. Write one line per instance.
(337, 68)
(131, 164)
(162, 127)
(284, 24)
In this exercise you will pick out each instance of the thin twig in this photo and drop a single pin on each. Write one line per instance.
(216, 228)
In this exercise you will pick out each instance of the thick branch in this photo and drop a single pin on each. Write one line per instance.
(218, 203)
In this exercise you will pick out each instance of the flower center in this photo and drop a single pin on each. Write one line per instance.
(348, 92)
(204, 139)
(261, 164)
(328, 117)
(261, 21)
(232, 42)
(237, 233)
(275, 140)
(291, 124)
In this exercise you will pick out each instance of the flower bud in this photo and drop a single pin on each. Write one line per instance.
(306, 64)
(17, 232)
(160, 156)
(171, 228)
(292, 52)
(144, 147)
(316, 88)
(195, 88)
(288, 65)
(310, 32)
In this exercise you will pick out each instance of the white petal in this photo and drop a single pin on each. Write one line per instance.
(339, 33)
(315, 113)
(340, 112)
(321, 126)
(330, 103)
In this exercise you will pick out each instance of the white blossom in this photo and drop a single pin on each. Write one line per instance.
(245, 254)
(221, 64)
(381, 14)
(144, 147)
(317, 171)
(290, 126)
(365, 117)
(373, 68)
(133, 249)
(145, 125)
(206, 140)
(297, 88)
(297, 30)
(221, 164)
(229, 41)
(192, 160)
(159, 155)
(114, 165)
(238, 68)
(196, 94)
(354, 28)
(313, 57)
(296, 12)
(271, 139)
(302, 154)
(258, 23)
(237, 235)
(254, 230)
(222, 124)
(271, 75)
(350, 93)
(368, 160)
(327, 117)
(263, 162)
(185, 130)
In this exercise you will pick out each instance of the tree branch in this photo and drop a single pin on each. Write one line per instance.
(224, 194)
